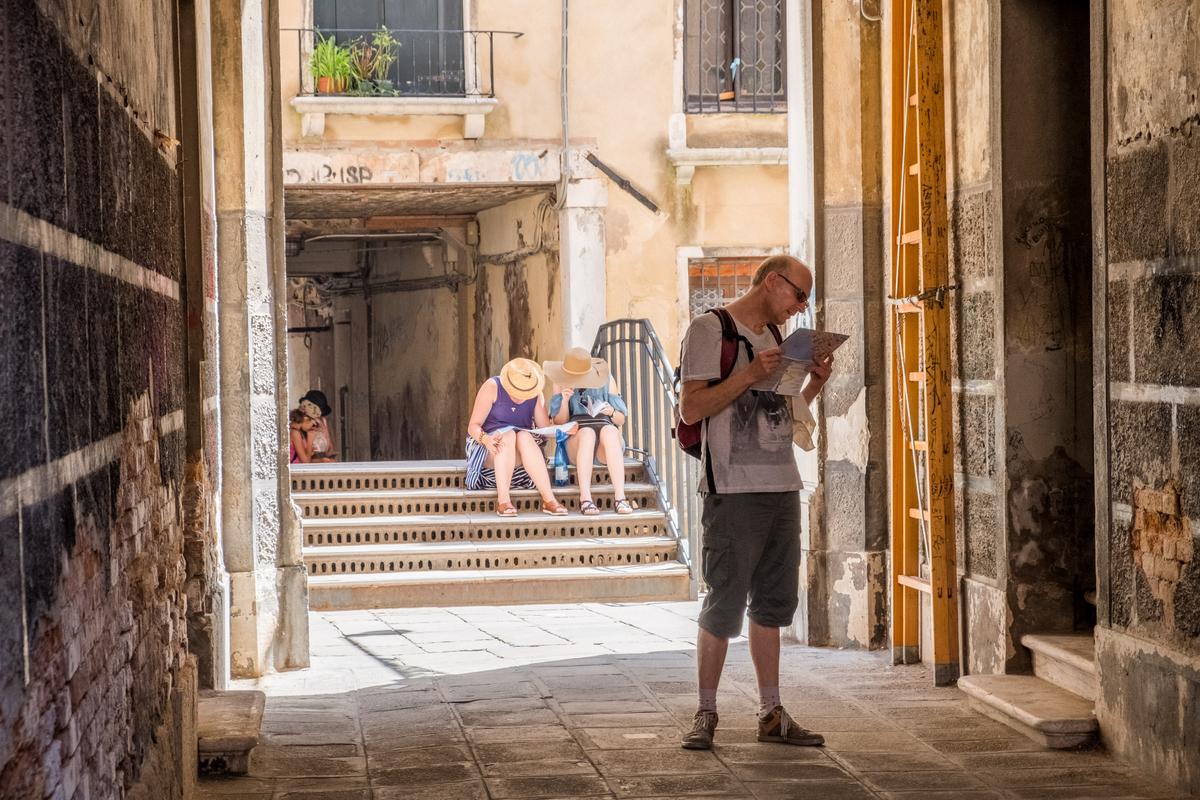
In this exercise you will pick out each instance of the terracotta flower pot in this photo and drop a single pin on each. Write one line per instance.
(324, 84)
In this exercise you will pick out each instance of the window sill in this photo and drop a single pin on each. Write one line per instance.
(313, 109)
(686, 159)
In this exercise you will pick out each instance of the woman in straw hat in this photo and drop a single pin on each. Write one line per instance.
(505, 404)
(582, 395)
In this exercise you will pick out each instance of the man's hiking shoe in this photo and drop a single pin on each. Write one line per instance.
(777, 726)
(700, 737)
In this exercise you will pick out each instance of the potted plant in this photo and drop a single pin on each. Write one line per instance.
(330, 65)
(386, 51)
(363, 58)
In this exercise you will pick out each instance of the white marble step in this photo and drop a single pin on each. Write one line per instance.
(665, 581)
(481, 527)
(1066, 660)
(528, 554)
(1042, 711)
(368, 475)
(393, 502)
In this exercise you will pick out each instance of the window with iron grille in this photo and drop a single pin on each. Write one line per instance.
(715, 282)
(429, 32)
(734, 56)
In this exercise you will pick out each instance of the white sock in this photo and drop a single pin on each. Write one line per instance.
(708, 700)
(768, 698)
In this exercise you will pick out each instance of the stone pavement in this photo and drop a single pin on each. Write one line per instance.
(590, 700)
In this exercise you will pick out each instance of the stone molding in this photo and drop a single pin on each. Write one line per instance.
(313, 109)
(685, 159)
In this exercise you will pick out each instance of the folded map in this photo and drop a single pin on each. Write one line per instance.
(801, 351)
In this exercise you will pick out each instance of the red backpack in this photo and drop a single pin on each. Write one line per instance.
(690, 435)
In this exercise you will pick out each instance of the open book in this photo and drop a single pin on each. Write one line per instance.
(801, 350)
(593, 405)
(549, 431)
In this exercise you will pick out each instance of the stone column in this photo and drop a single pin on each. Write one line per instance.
(267, 590)
(846, 551)
(581, 270)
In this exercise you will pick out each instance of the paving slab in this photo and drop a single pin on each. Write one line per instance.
(597, 711)
(547, 786)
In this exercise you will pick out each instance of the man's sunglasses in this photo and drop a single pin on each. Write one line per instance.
(801, 295)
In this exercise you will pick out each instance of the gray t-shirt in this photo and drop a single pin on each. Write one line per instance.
(750, 440)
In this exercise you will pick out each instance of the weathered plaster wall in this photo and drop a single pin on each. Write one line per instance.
(1047, 322)
(517, 298)
(1148, 642)
(845, 562)
(97, 688)
(419, 400)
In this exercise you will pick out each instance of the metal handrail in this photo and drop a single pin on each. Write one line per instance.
(430, 62)
(645, 379)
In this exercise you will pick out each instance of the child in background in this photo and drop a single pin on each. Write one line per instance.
(300, 425)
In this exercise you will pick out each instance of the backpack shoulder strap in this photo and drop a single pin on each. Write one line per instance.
(728, 326)
(775, 332)
(729, 341)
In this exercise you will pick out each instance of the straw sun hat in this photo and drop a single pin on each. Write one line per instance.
(578, 370)
(522, 379)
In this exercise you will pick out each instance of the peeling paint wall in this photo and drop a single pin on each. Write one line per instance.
(418, 379)
(1148, 640)
(518, 304)
(846, 574)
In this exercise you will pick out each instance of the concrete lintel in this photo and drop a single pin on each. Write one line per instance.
(686, 159)
(313, 109)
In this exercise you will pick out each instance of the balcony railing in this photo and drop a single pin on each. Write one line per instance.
(394, 62)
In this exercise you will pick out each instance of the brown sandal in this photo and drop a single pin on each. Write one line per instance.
(554, 508)
(506, 509)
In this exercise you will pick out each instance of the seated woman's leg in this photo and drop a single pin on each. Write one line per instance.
(534, 462)
(611, 451)
(504, 462)
(582, 449)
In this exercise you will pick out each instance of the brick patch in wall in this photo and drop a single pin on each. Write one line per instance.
(1161, 542)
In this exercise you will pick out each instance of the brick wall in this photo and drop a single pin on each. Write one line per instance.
(95, 679)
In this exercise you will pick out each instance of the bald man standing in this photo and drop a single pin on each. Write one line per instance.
(750, 485)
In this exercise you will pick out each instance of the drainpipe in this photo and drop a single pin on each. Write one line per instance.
(565, 157)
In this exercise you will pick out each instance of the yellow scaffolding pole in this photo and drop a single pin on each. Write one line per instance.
(922, 446)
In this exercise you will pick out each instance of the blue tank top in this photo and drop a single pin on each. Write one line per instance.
(507, 412)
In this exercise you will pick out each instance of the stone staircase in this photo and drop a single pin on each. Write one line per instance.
(1056, 705)
(403, 534)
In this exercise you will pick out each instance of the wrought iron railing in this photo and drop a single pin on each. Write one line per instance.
(734, 56)
(395, 62)
(645, 379)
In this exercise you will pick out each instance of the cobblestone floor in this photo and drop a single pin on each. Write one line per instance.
(590, 700)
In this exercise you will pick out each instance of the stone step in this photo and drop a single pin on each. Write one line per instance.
(375, 475)
(1066, 660)
(1042, 711)
(359, 503)
(475, 556)
(227, 727)
(479, 527)
(642, 582)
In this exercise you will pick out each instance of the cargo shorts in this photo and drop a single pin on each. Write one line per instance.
(751, 555)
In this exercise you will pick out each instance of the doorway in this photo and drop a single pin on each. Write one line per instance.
(1045, 145)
